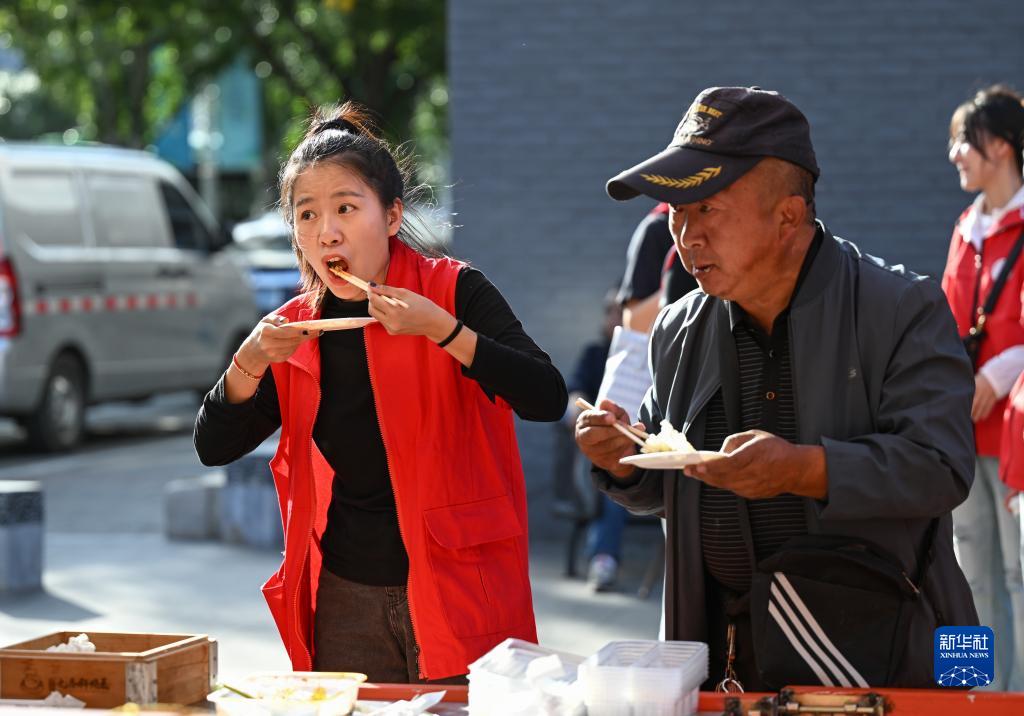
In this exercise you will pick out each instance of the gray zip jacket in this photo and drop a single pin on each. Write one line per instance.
(881, 381)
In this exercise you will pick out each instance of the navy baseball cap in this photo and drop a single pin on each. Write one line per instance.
(724, 133)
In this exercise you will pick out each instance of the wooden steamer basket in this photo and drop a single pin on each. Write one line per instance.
(143, 668)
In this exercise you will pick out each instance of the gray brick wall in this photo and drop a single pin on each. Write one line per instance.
(549, 98)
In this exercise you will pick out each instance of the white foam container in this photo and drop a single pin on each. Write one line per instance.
(644, 678)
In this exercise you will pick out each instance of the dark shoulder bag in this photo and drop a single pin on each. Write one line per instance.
(976, 334)
(840, 611)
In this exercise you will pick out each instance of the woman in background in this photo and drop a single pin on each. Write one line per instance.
(986, 143)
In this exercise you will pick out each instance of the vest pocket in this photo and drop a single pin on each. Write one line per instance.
(477, 558)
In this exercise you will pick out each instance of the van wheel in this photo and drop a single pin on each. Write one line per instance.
(59, 422)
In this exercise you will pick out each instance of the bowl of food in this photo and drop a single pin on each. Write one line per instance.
(289, 693)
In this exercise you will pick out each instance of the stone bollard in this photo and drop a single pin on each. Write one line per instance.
(192, 506)
(21, 536)
(250, 513)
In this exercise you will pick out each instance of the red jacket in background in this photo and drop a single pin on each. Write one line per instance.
(1003, 328)
(457, 479)
(1011, 458)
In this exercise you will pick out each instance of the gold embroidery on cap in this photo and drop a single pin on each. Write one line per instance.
(687, 182)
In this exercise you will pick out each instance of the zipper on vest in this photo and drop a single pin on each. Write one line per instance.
(398, 511)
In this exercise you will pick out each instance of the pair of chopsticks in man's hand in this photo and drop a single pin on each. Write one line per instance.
(635, 434)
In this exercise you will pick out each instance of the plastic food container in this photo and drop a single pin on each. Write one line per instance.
(291, 693)
(644, 678)
(517, 678)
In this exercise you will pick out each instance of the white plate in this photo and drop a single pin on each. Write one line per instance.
(670, 460)
(334, 324)
(342, 690)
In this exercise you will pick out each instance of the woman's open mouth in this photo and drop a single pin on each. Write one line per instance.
(337, 266)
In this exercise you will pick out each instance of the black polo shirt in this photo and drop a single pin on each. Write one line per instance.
(766, 403)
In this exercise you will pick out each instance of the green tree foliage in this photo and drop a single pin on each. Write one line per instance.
(123, 70)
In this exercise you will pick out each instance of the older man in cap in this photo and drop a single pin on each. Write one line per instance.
(817, 546)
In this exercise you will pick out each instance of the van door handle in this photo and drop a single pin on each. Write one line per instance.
(173, 272)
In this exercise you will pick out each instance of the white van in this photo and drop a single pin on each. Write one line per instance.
(112, 285)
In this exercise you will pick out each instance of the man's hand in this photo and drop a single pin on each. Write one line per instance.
(985, 398)
(601, 443)
(758, 465)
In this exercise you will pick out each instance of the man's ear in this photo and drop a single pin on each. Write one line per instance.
(791, 212)
(394, 217)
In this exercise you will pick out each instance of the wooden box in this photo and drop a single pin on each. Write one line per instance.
(143, 668)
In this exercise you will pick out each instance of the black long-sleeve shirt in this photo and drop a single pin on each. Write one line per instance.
(362, 542)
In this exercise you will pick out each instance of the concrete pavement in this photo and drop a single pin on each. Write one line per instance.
(142, 582)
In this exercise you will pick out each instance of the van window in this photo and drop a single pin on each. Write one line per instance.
(45, 206)
(126, 211)
(188, 229)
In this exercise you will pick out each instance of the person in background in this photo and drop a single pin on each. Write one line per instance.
(986, 140)
(654, 276)
(589, 369)
(653, 270)
(397, 468)
(604, 537)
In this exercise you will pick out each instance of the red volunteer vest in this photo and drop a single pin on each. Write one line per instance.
(1003, 328)
(457, 479)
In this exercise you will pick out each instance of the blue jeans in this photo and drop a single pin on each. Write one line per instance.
(605, 535)
(988, 546)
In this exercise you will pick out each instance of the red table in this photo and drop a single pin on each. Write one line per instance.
(903, 702)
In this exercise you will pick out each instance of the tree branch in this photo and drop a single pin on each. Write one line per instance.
(138, 81)
(268, 54)
(319, 49)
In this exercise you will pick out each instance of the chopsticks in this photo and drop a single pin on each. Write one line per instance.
(237, 691)
(360, 283)
(635, 434)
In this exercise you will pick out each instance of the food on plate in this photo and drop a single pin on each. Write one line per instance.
(668, 439)
(289, 694)
(298, 689)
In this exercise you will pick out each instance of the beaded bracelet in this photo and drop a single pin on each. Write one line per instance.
(243, 371)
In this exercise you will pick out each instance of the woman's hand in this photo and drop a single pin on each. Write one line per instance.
(271, 341)
(423, 317)
(1012, 501)
(985, 398)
